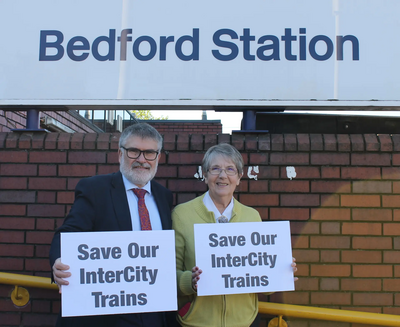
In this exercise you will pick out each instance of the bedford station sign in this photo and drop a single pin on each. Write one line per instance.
(159, 54)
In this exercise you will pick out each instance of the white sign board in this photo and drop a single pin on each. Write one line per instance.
(244, 258)
(208, 53)
(119, 272)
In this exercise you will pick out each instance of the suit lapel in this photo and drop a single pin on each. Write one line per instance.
(120, 203)
(162, 205)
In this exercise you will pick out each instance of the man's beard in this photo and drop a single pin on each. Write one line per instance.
(138, 176)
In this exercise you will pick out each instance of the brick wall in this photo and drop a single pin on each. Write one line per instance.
(340, 192)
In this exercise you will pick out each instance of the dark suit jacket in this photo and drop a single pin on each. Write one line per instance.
(101, 205)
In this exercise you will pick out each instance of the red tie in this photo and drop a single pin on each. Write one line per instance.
(145, 223)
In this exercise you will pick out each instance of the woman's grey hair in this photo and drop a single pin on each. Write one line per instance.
(142, 130)
(225, 150)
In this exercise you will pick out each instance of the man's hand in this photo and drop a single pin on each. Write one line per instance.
(59, 273)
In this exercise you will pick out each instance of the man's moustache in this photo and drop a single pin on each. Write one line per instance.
(138, 164)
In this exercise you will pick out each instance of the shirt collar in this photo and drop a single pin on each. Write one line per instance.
(209, 203)
(129, 185)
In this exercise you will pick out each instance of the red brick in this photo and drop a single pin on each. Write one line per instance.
(365, 285)
(289, 214)
(185, 171)
(259, 200)
(258, 159)
(276, 142)
(258, 186)
(186, 157)
(209, 140)
(264, 142)
(290, 142)
(65, 197)
(182, 142)
(77, 141)
(47, 170)
(63, 141)
(10, 264)
(37, 264)
(361, 173)
(12, 209)
(89, 142)
(391, 201)
(263, 213)
(330, 214)
(289, 158)
(391, 173)
(332, 228)
(303, 141)
(47, 157)
(46, 197)
(187, 186)
(372, 214)
(38, 140)
(307, 284)
(17, 196)
(391, 310)
(103, 141)
(330, 142)
(373, 299)
(391, 229)
(372, 271)
(299, 200)
(339, 159)
(44, 224)
(17, 223)
(196, 142)
(107, 169)
(301, 227)
(357, 142)
(306, 256)
(47, 183)
(330, 187)
(13, 156)
(295, 298)
(290, 186)
(317, 143)
(330, 200)
(40, 306)
(330, 284)
(10, 319)
(48, 210)
(267, 172)
(18, 170)
(86, 157)
(16, 250)
(343, 142)
(360, 200)
(391, 285)
(371, 142)
(330, 172)
(113, 158)
(385, 142)
(71, 183)
(362, 228)
(35, 319)
(330, 298)
(76, 170)
(330, 256)
(362, 256)
(303, 172)
(372, 243)
(330, 242)
(370, 159)
(39, 237)
(42, 251)
(13, 183)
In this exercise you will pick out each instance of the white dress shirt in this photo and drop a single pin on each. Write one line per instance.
(150, 204)
(209, 203)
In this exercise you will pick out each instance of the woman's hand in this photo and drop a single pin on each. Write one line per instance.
(59, 274)
(196, 272)
(294, 266)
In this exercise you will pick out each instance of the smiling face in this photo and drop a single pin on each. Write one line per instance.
(138, 171)
(222, 186)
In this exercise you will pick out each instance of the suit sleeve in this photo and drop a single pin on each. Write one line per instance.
(80, 218)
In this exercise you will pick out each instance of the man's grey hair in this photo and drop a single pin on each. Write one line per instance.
(142, 130)
(225, 150)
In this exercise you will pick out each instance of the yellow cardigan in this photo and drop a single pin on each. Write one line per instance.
(233, 310)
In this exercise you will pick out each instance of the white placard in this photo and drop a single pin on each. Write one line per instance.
(159, 53)
(119, 272)
(244, 258)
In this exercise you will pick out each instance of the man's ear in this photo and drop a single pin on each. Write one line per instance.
(120, 155)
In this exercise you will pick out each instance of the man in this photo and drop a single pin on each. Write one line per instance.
(109, 203)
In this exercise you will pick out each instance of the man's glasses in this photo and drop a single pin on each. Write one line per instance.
(133, 153)
(230, 171)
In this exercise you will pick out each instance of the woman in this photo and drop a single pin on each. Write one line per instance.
(222, 168)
